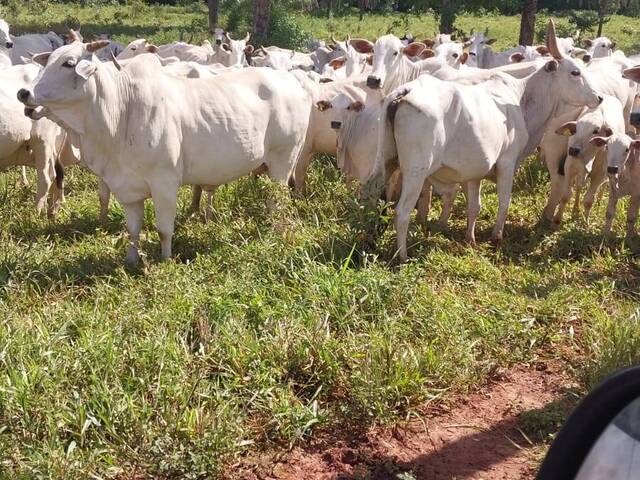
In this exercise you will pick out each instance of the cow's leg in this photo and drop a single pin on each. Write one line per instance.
(473, 209)
(632, 215)
(134, 214)
(208, 209)
(196, 195)
(103, 196)
(411, 187)
(23, 177)
(281, 162)
(45, 173)
(300, 172)
(57, 190)
(556, 182)
(565, 191)
(165, 199)
(611, 210)
(424, 205)
(504, 184)
(579, 182)
(448, 196)
(595, 183)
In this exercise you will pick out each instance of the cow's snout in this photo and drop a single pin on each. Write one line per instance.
(600, 99)
(574, 151)
(612, 170)
(23, 95)
(29, 111)
(336, 125)
(635, 119)
(9, 44)
(373, 82)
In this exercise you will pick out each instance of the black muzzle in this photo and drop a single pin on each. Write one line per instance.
(574, 151)
(336, 125)
(612, 170)
(23, 95)
(373, 82)
(634, 118)
(9, 44)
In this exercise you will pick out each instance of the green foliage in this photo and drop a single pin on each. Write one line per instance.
(284, 31)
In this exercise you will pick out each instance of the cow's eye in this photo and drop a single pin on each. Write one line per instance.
(596, 131)
(575, 73)
(627, 150)
(395, 54)
(455, 55)
(473, 54)
(134, 48)
(69, 63)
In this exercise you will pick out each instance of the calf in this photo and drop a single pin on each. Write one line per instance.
(623, 166)
(585, 157)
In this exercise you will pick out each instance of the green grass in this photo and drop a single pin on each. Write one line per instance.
(272, 324)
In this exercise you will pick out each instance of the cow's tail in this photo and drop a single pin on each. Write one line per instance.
(386, 151)
(59, 169)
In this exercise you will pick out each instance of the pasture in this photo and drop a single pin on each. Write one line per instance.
(273, 324)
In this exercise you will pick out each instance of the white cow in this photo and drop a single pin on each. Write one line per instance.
(145, 132)
(600, 47)
(453, 54)
(17, 48)
(27, 142)
(452, 133)
(586, 158)
(623, 166)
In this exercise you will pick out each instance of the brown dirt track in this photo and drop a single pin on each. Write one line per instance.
(498, 432)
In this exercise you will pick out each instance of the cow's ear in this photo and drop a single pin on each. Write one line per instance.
(41, 58)
(588, 42)
(427, 53)
(370, 59)
(608, 132)
(356, 106)
(542, 50)
(567, 129)
(151, 48)
(337, 63)
(361, 45)
(632, 73)
(491, 41)
(323, 105)
(464, 58)
(248, 49)
(551, 66)
(613, 45)
(85, 68)
(516, 57)
(598, 141)
(635, 144)
(414, 49)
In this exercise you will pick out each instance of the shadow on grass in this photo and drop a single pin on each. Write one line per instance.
(475, 453)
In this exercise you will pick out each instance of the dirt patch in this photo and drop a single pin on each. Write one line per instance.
(496, 433)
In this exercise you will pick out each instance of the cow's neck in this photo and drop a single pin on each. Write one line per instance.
(539, 102)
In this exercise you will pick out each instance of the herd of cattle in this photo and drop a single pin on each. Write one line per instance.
(403, 118)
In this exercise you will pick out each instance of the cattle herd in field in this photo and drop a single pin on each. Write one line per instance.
(404, 118)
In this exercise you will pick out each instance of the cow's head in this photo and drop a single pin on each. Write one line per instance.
(238, 48)
(5, 38)
(453, 54)
(137, 47)
(478, 41)
(620, 147)
(388, 52)
(581, 132)
(600, 47)
(66, 77)
(571, 81)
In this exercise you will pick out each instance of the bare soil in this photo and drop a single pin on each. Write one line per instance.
(498, 432)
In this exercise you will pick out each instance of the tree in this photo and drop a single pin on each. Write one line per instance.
(261, 10)
(528, 22)
(213, 14)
